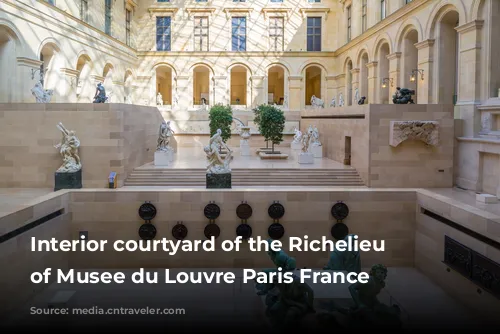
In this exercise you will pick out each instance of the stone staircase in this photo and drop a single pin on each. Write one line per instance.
(168, 177)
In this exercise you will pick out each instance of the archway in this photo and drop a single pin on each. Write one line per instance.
(201, 85)
(313, 83)
(276, 85)
(50, 56)
(363, 76)
(383, 74)
(164, 84)
(239, 77)
(410, 61)
(8, 64)
(447, 48)
(107, 74)
(348, 84)
(85, 89)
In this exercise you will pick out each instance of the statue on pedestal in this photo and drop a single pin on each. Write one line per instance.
(216, 164)
(41, 95)
(313, 136)
(349, 261)
(362, 100)
(100, 94)
(159, 99)
(317, 103)
(403, 96)
(164, 137)
(368, 311)
(356, 95)
(341, 100)
(297, 137)
(305, 142)
(68, 148)
(333, 103)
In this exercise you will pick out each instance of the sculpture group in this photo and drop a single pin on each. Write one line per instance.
(41, 95)
(288, 304)
(217, 163)
(164, 136)
(403, 96)
(68, 149)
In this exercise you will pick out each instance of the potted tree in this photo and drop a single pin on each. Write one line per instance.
(257, 112)
(221, 117)
(271, 125)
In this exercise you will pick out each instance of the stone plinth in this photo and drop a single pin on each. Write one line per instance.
(296, 146)
(163, 158)
(68, 180)
(275, 156)
(244, 148)
(306, 158)
(486, 198)
(263, 149)
(317, 151)
(425, 131)
(219, 181)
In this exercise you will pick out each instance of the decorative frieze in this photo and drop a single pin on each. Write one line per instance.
(425, 131)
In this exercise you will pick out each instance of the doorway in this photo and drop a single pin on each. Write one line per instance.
(347, 151)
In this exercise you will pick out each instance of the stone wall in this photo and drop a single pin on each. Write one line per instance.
(17, 260)
(114, 137)
(412, 163)
(429, 246)
(374, 215)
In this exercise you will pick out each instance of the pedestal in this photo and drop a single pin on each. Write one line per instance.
(68, 180)
(306, 158)
(219, 181)
(163, 158)
(296, 146)
(244, 148)
(317, 151)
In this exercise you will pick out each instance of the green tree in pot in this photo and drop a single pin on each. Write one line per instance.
(271, 125)
(221, 117)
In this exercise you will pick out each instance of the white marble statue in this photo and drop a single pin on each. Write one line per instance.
(217, 164)
(164, 137)
(159, 99)
(285, 102)
(317, 103)
(41, 95)
(68, 148)
(341, 100)
(314, 137)
(305, 142)
(176, 99)
(244, 132)
(128, 99)
(297, 137)
(333, 103)
(356, 96)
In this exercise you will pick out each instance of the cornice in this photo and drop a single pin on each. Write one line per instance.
(470, 26)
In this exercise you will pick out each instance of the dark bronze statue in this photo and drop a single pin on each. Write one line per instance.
(403, 96)
(349, 261)
(100, 94)
(362, 100)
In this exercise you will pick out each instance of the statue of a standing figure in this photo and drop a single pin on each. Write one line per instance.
(368, 311)
(305, 142)
(100, 94)
(159, 99)
(216, 164)
(333, 103)
(68, 148)
(41, 95)
(356, 95)
(164, 137)
(285, 102)
(341, 100)
(314, 137)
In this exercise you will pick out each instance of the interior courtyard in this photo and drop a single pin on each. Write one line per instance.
(423, 176)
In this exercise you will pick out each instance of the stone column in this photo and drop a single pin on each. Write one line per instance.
(394, 71)
(354, 85)
(331, 85)
(372, 81)
(26, 79)
(469, 83)
(220, 89)
(184, 92)
(67, 86)
(425, 62)
(259, 96)
(295, 96)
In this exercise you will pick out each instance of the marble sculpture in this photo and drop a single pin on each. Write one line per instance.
(217, 164)
(164, 136)
(68, 148)
(41, 95)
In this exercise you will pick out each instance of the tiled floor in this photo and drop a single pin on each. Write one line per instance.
(189, 158)
(13, 199)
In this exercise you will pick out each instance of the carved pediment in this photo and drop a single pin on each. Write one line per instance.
(425, 131)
